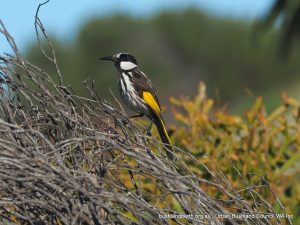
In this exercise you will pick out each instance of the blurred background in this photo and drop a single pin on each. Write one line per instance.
(240, 49)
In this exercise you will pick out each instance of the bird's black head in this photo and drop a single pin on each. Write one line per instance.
(124, 61)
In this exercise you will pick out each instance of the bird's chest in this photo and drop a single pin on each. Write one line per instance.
(129, 93)
(126, 85)
(127, 89)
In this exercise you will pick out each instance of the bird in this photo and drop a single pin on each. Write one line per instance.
(138, 94)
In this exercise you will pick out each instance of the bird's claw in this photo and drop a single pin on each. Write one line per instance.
(147, 131)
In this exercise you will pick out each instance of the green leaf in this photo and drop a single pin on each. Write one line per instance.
(290, 163)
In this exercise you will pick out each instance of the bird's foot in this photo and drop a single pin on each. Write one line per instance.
(147, 131)
(136, 116)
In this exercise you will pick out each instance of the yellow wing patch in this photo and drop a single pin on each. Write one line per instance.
(150, 100)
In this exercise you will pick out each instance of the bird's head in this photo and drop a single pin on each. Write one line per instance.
(124, 61)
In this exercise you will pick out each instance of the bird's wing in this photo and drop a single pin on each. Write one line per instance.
(152, 103)
(146, 90)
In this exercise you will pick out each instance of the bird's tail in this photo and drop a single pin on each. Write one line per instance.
(160, 125)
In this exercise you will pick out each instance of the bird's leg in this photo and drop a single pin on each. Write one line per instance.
(135, 116)
(148, 130)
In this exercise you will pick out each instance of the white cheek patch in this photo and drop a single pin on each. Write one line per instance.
(127, 65)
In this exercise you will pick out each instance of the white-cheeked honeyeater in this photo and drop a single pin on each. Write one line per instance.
(138, 94)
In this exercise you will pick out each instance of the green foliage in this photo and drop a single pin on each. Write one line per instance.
(285, 14)
(177, 49)
(264, 147)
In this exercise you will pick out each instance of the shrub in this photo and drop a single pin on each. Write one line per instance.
(264, 147)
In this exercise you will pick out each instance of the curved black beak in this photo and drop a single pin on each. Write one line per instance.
(108, 58)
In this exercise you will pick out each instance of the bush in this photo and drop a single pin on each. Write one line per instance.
(263, 146)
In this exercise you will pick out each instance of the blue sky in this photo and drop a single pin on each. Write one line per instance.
(63, 18)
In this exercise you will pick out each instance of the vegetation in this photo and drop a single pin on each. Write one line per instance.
(286, 15)
(177, 49)
(264, 147)
(71, 159)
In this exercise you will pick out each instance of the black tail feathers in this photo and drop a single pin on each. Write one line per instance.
(160, 125)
